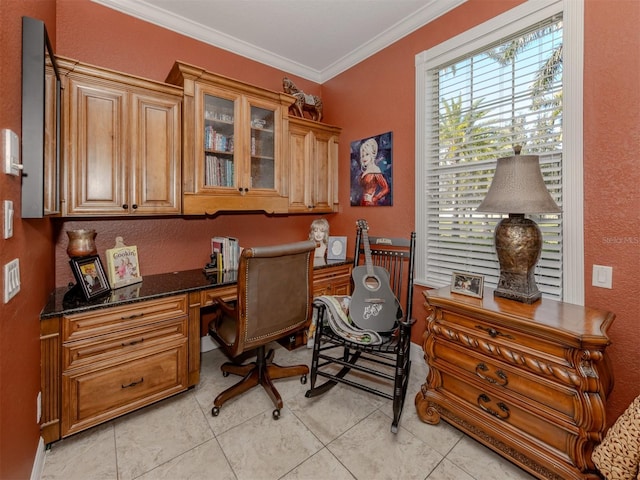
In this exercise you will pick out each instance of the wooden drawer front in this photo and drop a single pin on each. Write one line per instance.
(108, 320)
(227, 294)
(93, 396)
(491, 372)
(109, 347)
(332, 281)
(487, 406)
(526, 352)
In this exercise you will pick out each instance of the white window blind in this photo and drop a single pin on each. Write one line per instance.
(477, 107)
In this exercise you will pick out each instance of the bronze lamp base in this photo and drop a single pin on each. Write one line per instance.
(518, 243)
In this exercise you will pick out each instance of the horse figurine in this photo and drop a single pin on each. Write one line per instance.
(311, 104)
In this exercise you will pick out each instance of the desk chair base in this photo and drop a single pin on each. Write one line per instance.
(260, 372)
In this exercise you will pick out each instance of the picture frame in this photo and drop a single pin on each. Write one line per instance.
(467, 284)
(371, 171)
(337, 248)
(90, 276)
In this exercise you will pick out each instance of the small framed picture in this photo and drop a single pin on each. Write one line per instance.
(467, 284)
(337, 248)
(90, 276)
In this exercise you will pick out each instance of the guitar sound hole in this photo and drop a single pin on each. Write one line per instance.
(372, 283)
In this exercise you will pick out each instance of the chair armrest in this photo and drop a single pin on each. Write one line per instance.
(224, 306)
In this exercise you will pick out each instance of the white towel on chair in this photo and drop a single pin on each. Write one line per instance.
(337, 317)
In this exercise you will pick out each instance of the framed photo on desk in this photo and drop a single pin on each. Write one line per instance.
(337, 248)
(90, 276)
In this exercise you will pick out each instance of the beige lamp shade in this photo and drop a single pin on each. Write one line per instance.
(518, 187)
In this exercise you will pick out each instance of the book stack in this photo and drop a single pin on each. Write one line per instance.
(218, 171)
(226, 252)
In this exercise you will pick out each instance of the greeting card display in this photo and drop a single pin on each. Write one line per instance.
(122, 264)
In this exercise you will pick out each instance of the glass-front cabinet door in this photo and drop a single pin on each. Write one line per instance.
(239, 145)
(218, 142)
(262, 149)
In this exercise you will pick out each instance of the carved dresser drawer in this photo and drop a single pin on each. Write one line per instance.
(528, 381)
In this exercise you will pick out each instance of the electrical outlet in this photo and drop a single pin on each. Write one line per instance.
(11, 279)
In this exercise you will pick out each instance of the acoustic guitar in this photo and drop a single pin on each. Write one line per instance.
(373, 304)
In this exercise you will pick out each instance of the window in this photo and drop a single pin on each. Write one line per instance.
(477, 97)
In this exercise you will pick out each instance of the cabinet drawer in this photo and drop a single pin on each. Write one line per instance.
(100, 322)
(505, 413)
(110, 346)
(332, 281)
(492, 372)
(227, 294)
(496, 339)
(93, 396)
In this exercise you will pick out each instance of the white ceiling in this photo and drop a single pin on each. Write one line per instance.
(314, 39)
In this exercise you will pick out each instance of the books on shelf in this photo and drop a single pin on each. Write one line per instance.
(226, 251)
(218, 171)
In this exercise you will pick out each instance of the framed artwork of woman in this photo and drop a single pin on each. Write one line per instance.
(371, 172)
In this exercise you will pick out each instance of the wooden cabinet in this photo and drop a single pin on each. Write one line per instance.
(122, 143)
(233, 147)
(528, 381)
(327, 280)
(313, 166)
(112, 361)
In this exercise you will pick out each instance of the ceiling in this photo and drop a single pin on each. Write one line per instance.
(314, 39)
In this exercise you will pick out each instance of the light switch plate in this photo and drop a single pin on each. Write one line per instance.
(11, 279)
(602, 276)
(8, 219)
(11, 152)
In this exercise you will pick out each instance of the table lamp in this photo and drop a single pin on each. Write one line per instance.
(518, 189)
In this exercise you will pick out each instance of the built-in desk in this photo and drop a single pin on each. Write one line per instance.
(109, 356)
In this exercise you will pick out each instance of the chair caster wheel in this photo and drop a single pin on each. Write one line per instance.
(225, 374)
(394, 429)
(276, 414)
(215, 411)
(303, 380)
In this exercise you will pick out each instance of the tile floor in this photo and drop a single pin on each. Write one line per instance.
(344, 434)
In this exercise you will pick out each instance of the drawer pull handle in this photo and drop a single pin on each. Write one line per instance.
(504, 412)
(133, 384)
(133, 342)
(502, 377)
(130, 317)
(493, 333)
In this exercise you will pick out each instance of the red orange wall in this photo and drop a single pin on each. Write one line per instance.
(373, 97)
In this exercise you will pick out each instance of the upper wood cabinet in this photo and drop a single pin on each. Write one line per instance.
(234, 149)
(313, 166)
(122, 143)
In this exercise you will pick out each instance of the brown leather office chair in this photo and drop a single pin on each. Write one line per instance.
(389, 363)
(274, 299)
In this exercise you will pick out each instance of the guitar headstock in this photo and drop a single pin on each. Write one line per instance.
(362, 224)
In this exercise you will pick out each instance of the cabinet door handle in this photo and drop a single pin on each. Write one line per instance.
(502, 377)
(134, 206)
(135, 315)
(133, 342)
(504, 412)
(125, 206)
(133, 384)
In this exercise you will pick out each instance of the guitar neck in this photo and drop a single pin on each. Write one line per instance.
(367, 252)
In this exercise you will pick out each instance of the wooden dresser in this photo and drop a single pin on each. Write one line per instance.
(528, 381)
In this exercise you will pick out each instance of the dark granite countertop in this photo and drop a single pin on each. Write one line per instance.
(67, 300)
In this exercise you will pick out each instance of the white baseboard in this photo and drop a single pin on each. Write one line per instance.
(38, 463)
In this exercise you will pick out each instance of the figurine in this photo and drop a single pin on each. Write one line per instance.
(319, 232)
